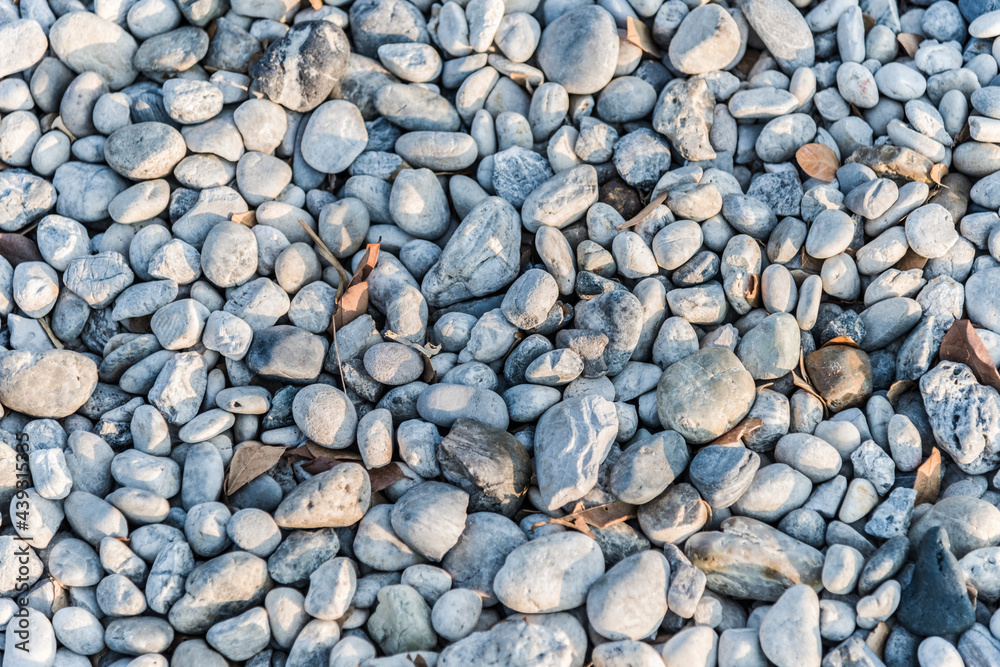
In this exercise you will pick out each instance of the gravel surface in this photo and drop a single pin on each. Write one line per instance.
(506, 333)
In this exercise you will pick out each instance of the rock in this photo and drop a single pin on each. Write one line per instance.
(615, 611)
(841, 374)
(789, 631)
(936, 599)
(344, 493)
(49, 384)
(299, 70)
(548, 574)
(749, 559)
(704, 395)
(489, 464)
(402, 621)
(579, 50)
(516, 643)
(88, 43)
(964, 415)
(684, 114)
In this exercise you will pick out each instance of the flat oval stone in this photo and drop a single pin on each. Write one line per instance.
(548, 574)
(144, 150)
(50, 384)
(334, 137)
(704, 395)
(89, 43)
(579, 50)
(337, 497)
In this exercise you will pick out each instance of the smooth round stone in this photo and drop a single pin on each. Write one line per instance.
(899, 82)
(334, 137)
(930, 231)
(770, 350)
(172, 52)
(393, 363)
(144, 150)
(286, 353)
(418, 204)
(775, 491)
(705, 394)
(140, 202)
(229, 254)
(579, 50)
(618, 616)
(810, 455)
(49, 384)
(722, 474)
(708, 39)
(548, 574)
(325, 415)
(438, 151)
(416, 63)
(88, 43)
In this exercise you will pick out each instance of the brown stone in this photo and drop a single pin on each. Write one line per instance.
(899, 164)
(841, 374)
(754, 561)
(619, 196)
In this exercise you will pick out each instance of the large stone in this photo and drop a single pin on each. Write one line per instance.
(572, 439)
(481, 551)
(580, 50)
(334, 498)
(963, 414)
(684, 114)
(630, 600)
(88, 43)
(784, 31)
(50, 384)
(219, 589)
(841, 374)
(936, 601)
(513, 643)
(771, 349)
(971, 523)
(482, 255)
(704, 395)
(550, 573)
(488, 463)
(754, 561)
(299, 70)
(789, 631)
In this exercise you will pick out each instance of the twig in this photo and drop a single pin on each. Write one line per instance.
(325, 253)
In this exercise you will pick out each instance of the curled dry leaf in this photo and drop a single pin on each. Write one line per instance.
(938, 172)
(354, 301)
(818, 161)
(250, 461)
(16, 248)
(639, 34)
(963, 344)
(910, 42)
(899, 388)
(841, 340)
(248, 219)
(928, 482)
(600, 516)
(745, 427)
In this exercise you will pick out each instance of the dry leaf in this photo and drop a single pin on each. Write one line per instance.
(250, 461)
(869, 22)
(962, 344)
(753, 290)
(818, 161)
(418, 661)
(646, 211)
(877, 639)
(601, 516)
(743, 428)
(16, 248)
(928, 482)
(938, 172)
(316, 4)
(354, 301)
(899, 388)
(248, 219)
(639, 34)
(910, 42)
(911, 260)
(330, 258)
(841, 340)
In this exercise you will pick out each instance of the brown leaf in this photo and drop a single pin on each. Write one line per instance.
(928, 482)
(753, 290)
(251, 460)
(743, 428)
(639, 34)
(869, 22)
(910, 42)
(646, 211)
(911, 260)
(962, 344)
(300, 453)
(818, 161)
(248, 219)
(16, 249)
(385, 476)
(600, 516)
(841, 340)
(354, 302)
(330, 258)
(877, 639)
(938, 172)
(419, 661)
(316, 4)
(899, 388)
